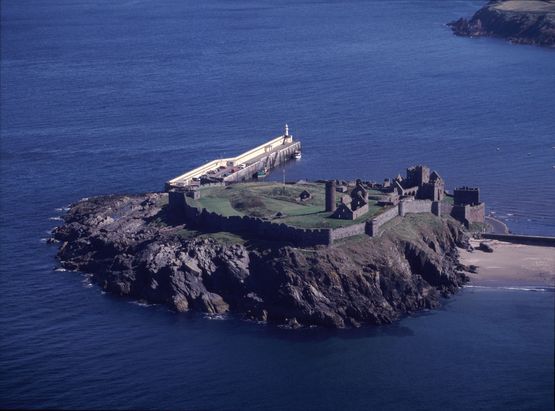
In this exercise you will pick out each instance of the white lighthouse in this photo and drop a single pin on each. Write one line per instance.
(286, 130)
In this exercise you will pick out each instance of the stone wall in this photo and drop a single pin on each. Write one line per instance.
(373, 226)
(257, 227)
(273, 160)
(349, 231)
(262, 228)
(445, 208)
(176, 202)
(415, 206)
(475, 213)
(466, 195)
(522, 239)
(468, 214)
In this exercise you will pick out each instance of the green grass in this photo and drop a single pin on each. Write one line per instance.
(410, 226)
(269, 198)
(448, 200)
(220, 205)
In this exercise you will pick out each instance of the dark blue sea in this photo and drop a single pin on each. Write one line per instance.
(103, 97)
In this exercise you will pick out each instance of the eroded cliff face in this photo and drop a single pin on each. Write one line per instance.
(131, 249)
(519, 21)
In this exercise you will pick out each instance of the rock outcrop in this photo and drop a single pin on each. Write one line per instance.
(132, 248)
(519, 21)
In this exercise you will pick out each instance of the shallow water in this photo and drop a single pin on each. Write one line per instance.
(101, 98)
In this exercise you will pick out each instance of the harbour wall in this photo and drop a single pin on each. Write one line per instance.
(522, 239)
(270, 154)
(272, 160)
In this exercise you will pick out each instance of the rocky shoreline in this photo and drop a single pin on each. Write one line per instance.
(131, 247)
(519, 21)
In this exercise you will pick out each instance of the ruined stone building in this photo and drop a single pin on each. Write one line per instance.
(467, 207)
(420, 183)
(354, 205)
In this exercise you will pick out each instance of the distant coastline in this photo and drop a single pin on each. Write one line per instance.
(518, 21)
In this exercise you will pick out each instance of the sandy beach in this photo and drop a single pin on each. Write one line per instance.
(511, 265)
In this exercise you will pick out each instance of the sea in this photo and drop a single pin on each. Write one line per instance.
(104, 96)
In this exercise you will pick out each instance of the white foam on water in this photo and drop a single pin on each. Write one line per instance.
(87, 283)
(55, 218)
(513, 288)
(215, 316)
(142, 303)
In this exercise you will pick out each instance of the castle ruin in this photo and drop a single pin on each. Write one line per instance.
(353, 206)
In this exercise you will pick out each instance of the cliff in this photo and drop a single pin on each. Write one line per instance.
(519, 21)
(132, 248)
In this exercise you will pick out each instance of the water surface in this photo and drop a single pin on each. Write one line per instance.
(106, 97)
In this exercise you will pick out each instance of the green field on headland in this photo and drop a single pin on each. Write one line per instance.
(279, 203)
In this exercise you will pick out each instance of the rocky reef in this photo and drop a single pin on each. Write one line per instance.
(133, 248)
(519, 21)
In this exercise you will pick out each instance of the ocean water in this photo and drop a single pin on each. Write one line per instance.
(105, 97)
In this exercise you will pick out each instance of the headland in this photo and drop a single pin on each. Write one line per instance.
(518, 21)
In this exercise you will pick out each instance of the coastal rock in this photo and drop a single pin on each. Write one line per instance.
(485, 247)
(519, 21)
(132, 248)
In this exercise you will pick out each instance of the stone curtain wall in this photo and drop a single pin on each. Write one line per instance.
(283, 232)
(404, 207)
(350, 231)
(416, 206)
(257, 227)
(445, 208)
(468, 214)
(475, 213)
(374, 225)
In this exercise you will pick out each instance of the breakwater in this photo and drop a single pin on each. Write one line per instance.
(522, 239)
(243, 167)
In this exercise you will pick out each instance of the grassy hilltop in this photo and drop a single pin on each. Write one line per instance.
(519, 21)
(278, 202)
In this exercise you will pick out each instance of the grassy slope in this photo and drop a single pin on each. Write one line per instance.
(267, 199)
(527, 6)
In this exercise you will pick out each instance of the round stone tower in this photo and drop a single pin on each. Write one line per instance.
(330, 196)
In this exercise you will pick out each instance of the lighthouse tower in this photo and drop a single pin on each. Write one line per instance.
(287, 137)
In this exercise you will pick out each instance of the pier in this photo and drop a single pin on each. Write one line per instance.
(244, 167)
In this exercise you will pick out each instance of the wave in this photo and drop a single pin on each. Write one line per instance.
(87, 283)
(55, 218)
(514, 288)
(142, 303)
(215, 316)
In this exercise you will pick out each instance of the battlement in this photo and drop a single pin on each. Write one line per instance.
(466, 196)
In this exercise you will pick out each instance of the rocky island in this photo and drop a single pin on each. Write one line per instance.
(519, 21)
(325, 253)
(132, 248)
(206, 250)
